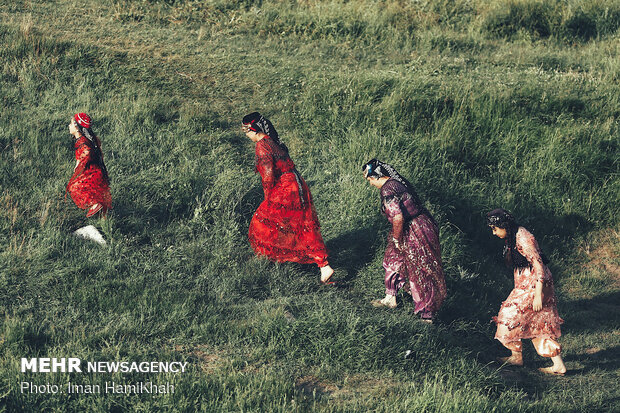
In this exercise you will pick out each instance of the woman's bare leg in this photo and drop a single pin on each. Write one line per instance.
(515, 347)
(515, 359)
(550, 348)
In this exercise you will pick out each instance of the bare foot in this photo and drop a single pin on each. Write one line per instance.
(558, 371)
(326, 274)
(512, 360)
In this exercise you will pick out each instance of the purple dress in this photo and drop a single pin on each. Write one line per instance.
(416, 265)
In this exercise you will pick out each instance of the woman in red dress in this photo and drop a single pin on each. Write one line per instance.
(285, 227)
(89, 186)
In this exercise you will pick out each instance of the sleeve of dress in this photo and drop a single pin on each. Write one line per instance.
(394, 215)
(528, 247)
(82, 162)
(265, 167)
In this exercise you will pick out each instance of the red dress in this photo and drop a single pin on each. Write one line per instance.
(89, 184)
(285, 227)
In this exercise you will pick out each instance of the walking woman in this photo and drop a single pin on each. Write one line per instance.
(413, 255)
(530, 311)
(89, 186)
(285, 227)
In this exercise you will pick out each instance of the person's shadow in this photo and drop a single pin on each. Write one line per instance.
(353, 250)
(593, 315)
(594, 359)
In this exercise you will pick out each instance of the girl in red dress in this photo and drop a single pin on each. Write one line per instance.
(89, 186)
(285, 227)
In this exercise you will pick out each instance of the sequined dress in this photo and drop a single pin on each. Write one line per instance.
(516, 312)
(89, 184)
(416, 265)
(285, 227)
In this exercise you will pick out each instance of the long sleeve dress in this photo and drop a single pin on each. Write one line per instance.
(89, 184)
(285, 227)
(516, 313)
(416, 265)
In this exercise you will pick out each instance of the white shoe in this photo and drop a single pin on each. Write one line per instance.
(91, 233)
(383, 303)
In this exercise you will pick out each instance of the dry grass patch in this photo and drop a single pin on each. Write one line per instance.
(352, 387)
(313, 386)
(604, 254)
(207, 358)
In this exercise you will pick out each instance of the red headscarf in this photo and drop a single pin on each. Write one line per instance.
(83, 120)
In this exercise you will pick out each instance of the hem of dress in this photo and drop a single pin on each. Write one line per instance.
(512, 327)
(528, 337)
(321, 257)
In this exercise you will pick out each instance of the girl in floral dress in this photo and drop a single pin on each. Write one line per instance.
(530, 311)
(89, 186)
(285, 227)
(413, 254)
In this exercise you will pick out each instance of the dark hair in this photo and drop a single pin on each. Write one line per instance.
(250, 118)
(94, 145)
(259, 123)
(501, 218)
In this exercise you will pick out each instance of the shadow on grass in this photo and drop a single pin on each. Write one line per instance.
(139, 221)
(608, 359)
(593, 315)
(247, 206)
(352, 251)
(242, 149)
(71, 217)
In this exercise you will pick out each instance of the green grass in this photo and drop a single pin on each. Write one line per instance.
(480, 104)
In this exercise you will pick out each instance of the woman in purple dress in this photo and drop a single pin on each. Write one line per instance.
(413, 255)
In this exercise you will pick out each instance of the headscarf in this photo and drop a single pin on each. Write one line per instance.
(83, 123)
(377, 169)
(82, 119)
(501, 218)
(256, 122)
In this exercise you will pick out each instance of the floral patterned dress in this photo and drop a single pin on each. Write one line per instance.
(285, 227)
(516, 313)
(416, 265)
(89, 184)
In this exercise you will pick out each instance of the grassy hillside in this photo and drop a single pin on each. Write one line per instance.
(480, 104)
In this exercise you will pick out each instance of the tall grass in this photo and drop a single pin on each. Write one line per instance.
(565, 21)
(479, 104)
(370, 21)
